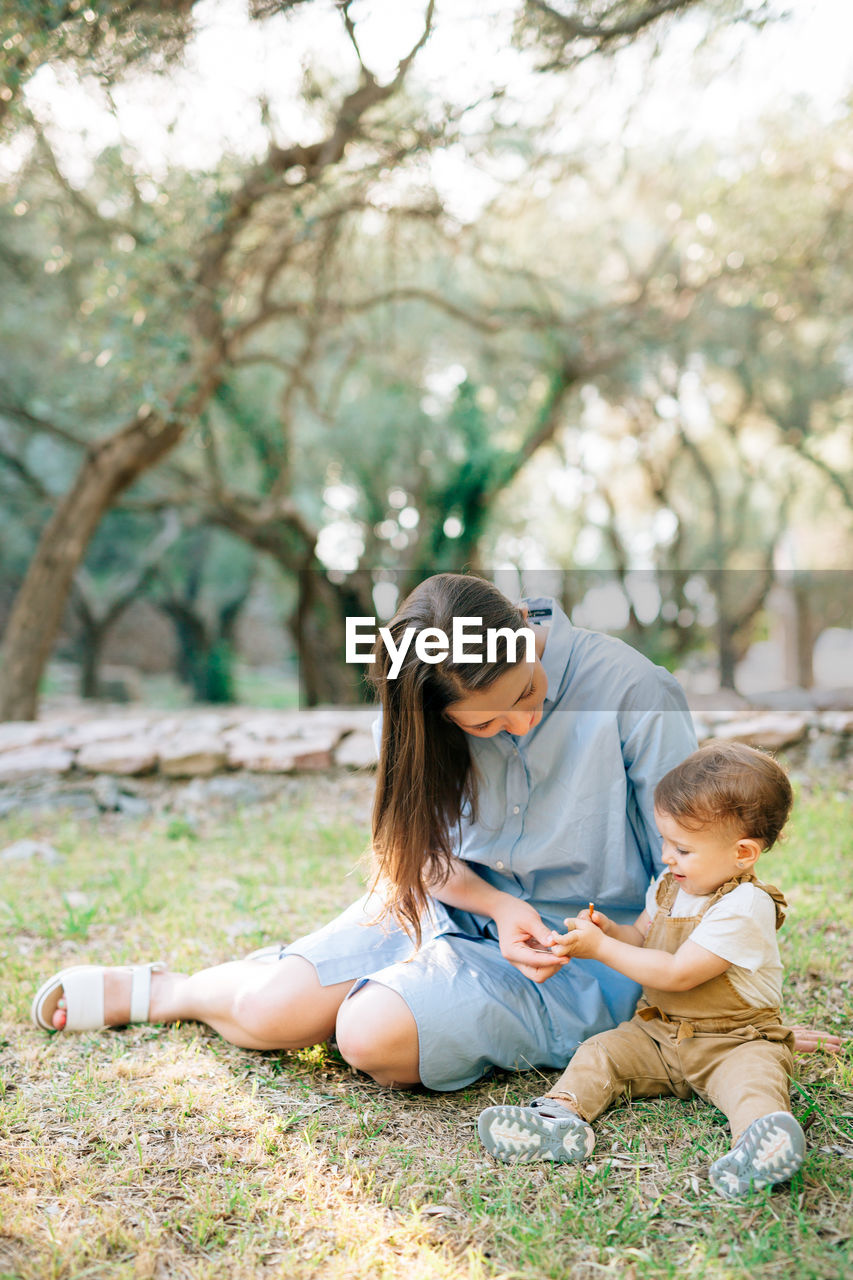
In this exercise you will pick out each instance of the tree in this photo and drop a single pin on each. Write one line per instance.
(99, 610)
(721, 439)
(105, 38)
(573, 30)
(270, 276)
(203, 588)
(115, 461)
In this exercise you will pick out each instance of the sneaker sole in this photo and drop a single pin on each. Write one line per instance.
(516, 1135)
(774, 1149)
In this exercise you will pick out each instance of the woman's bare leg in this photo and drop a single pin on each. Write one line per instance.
(376, 1033)
(280, 1005)
(256, 1005)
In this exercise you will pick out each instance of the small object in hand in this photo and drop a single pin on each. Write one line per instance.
(591, 909)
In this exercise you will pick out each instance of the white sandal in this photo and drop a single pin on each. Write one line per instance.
(83, 988)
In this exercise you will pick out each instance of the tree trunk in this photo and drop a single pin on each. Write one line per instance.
(726, 655)
(317, 626)
(807, 631)
(110, 467)
(92, 648)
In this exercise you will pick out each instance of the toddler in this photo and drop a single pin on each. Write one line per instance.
(704, 950)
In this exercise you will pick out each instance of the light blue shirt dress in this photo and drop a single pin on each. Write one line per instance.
(565, 816)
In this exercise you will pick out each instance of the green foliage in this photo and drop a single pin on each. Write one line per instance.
(627, 356)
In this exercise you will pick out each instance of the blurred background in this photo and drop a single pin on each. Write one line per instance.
(302, 301)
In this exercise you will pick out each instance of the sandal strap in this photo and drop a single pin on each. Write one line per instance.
(84, 997)
(140, 989)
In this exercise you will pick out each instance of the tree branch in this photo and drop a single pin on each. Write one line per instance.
(17, 465)
(77, 198)
(18, 413)
(838, 481)
(602, 33)
(132, 583)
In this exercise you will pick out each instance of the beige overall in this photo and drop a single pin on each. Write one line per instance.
(707, 1041)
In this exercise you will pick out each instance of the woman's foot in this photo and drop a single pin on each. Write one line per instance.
(769, 1151)
(546, 1130)
(153, 997)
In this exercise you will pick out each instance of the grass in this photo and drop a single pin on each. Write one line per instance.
(160, 1152)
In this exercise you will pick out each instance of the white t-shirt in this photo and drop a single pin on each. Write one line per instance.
(740, 928)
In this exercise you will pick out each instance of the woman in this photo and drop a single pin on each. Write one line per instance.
(509, 794)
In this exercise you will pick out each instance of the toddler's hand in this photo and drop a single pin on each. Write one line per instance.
(598, 918)
(560, 943)
(582, 938)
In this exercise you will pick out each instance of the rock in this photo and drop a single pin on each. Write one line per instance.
(314, 750)
(105, 789)
(714, 716)
(266, 727)
(770, 731)
(28, 760)
(26, 850)
(824, 750)
(190, 755)
(232, 789)
(209, 723)
(106, 792)
(246, 752)
(133, 806)
(125, 756)
(357, 751)
(346, 719)
(54, 795)
(96, 731)
(16, 734)
(275, 754)
(111, 798)
(837, 721)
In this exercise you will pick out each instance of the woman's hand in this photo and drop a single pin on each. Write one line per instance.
(525, 940)
(811, 1040)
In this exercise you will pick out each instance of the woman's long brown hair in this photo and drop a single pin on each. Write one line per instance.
(425, 775)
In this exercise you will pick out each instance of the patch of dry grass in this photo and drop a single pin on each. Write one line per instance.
(157, 1152)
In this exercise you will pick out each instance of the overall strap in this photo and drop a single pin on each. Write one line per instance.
(666, 893)
(747, 877)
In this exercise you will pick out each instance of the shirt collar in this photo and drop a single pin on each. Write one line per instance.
(544, 611)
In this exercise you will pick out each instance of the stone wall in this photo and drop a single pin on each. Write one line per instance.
(187, 744)
(91, 741)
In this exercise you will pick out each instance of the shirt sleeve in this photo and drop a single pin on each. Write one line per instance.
(657, 733)
(740, 928)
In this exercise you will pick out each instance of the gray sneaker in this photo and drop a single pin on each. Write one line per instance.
(770, 1150)
(545, 1130)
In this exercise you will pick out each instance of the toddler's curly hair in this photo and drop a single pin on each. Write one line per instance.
(727, 783)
